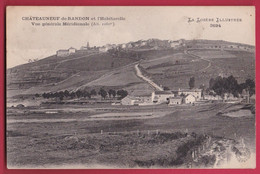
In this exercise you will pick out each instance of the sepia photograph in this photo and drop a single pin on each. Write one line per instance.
(130, 87)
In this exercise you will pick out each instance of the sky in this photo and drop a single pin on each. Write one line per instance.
(25, 41)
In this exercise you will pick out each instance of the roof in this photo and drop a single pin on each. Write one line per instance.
(131, 97)
(175, 98)
(190, 90)
(63, 50)
(162, 92)
(141, 93)
(189, 95)
(72, 48)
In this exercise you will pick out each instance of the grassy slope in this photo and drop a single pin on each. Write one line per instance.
(53, 73)
(168, 73)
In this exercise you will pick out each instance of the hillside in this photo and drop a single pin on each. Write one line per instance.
(167, 65)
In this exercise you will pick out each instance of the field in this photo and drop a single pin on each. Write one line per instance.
(174, 71)
(117, 136)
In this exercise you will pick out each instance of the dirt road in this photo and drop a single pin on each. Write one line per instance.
(153, 84)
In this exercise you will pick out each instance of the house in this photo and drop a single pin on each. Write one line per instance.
(195, 92)
(245, 95)
(174, 44)
(103, 49)
(134, 100)
(129, 100)
(189, 99)
(212, 97)
(72, 50)
(161, 96)
(129, 45)
(175, 100)
(62, 53)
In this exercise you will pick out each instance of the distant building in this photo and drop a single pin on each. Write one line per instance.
(212, 97)
(175, 100)
(64, 53)
(175, 44)
(87, 47)
(161, 96)
(195, 92)
(189, 99)
(72, 50)
(103, 49)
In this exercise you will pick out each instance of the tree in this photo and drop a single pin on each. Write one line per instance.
(250, 85)
(66, 93)
(165, 88)
(211, 83)
(111, 92)
(44, 95)
(72, 95)
(78, 93)
(37, 95)
(103, 93)
(86, 94)
(192, 82)
(93, 92)
(122, 93)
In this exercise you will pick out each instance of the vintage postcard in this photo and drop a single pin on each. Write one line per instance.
(130, 87)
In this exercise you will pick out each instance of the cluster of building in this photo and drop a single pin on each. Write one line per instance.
(187, 96)
(156, 44)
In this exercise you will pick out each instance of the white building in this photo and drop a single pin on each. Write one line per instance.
(161, 96)
(129, 100)
(212, 97)
(174, 44)
(140, 100)
(189, 99)
(62, 53)
(175, 100)
(195, 92)
(103, 49)
(72, 50)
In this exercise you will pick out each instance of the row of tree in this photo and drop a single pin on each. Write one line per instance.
(111, 93)
(221, 85)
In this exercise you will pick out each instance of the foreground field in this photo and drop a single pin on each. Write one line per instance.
(118, 142)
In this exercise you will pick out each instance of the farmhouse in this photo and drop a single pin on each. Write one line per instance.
(72, 50)
(195, 92)
(134, 100)
(175, 100)
(129, 100)
(161, 96)
(212, 97)
(64, 53)
(189, 99)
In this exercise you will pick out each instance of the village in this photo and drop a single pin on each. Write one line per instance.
(154, 44)
(181, 96)
(185, 97)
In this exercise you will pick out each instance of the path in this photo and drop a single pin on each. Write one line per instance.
(209, 65)
(153, 84)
